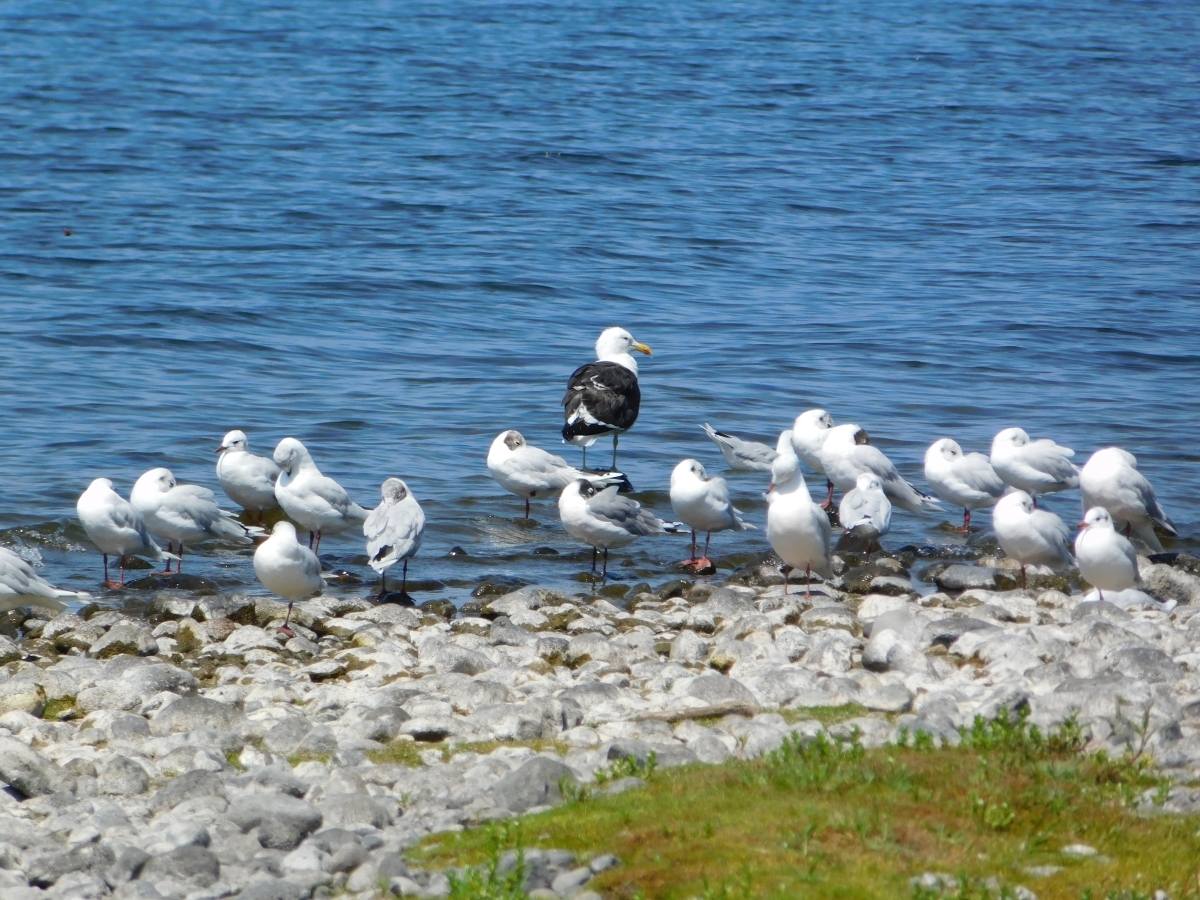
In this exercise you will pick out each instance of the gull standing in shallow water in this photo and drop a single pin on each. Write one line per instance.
(1110, 479)
(604, 519)
(21, 586)
(313, 501)
(603, 397)
(966, 481)
(743, 456)
(246, 479)
(1030, 535)
(394, 530)
(866, 512)
(809, 432)
(287, 568)
(528, 471)
(703, 504)
(182, 513)
(115, 527)
(1107, 561)
(1035, 467)
(797, 528)
(847, 453)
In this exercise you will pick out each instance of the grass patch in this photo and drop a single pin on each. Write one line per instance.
(408, 753)
(234, 758)
(296, 758)
(830, 819)
(826, 715)
(63, 707)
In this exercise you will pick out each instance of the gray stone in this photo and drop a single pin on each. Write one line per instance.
(286, 736)
(22, 695)
(123, 777)
(961, 578)
(714, 689)
(127, 727)
(891, 586)
(319, 741)
(603, 863)
(452, 658)
(352, 810)
(9, 652)
(275, 889)
(1162, 582)
(91, 859)
(28, 771)
(126, 866)
(188, 786)
(189, 864)
(194, 714)
(568, 883)
(710, 749)
(829, 616)
(591, 695)
(892, 698)
(689, 647)
(383, 723)
(665, 755)
(1146, 664)
(125, 638)
(536, 783)
(279, 822)
(552, 646)
(945, 632)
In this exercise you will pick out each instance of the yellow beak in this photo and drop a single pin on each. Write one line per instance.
(642, 348)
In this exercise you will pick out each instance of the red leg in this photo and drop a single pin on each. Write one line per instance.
(170, 549)
(787, 570)
(807, 580)
(829, 497)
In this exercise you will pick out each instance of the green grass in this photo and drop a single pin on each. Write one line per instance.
(408, 753)
(826, 715)
(56, 707)
(828, 819)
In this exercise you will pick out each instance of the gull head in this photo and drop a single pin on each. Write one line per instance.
(394, 490)
(284, 530)
(1113, 458)
(1017, 500)
(813, 420)
(513, 439)
(159, 480)
(868, 482)
(1010, 437)
(100, 484)
(235, 440)
(615, 342)
(289, 454)
(1097, 517)
(786, 465)
(687, 468)
(948, 449)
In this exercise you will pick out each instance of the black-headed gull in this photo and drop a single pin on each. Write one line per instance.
(703, 504)
(1030, 535)
(1111, 479)
(182, 513)
(246, 479)
(1035, 467)
(394, 530)
(603, 397)
(287, 568)
(866, 512)
(742, 455)
(21, 586)
(115, 527)
(531, 472)
(965, 480)
(848, 453)
(603, 518)
(797, 529)
(809, 432)
(1107, 560)
(313, 501)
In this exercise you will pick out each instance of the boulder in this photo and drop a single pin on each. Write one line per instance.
(194, 714)
(535, 783)
(28, 771)
(125, 638)
(191, 865)
(279, 822)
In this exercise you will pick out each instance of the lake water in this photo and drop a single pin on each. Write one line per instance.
(393, 230)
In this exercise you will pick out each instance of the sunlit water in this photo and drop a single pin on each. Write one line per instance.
(393, 230)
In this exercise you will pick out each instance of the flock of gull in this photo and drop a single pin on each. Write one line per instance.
(603, 398)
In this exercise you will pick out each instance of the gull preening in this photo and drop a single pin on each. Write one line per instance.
(394, 530)
(1035, 467)
(809, 432)
(603, 397)
(847, 453)
(287, 568)
(703, 504)
(246, 479)
(531, 472)
(1107, 560)
(742, 455)
(21, 586)
(1110, 479)
(967, 481)
(866, 512)
(797, 528)
(182, 513)
(604, 519)
(114, 526)
(1031, 536)
(313, 501)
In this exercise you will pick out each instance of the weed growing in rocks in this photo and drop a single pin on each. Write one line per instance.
(491, 881)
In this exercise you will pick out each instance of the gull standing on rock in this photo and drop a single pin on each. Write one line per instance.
(743, 456)
(528, 471)
(964, 480)
(866, 512)
(703, 504)
(809, 432)
(603, 397)
(246, 479)
(21, 586)
(1035, 467)
(394, 530)
(797, 528)
(1107, 561)
(604, 519)
(1030, 535)
(1110, 479)
(182, 513)
(847, 453)
(115, 527)
(313, 501)
(287, 568)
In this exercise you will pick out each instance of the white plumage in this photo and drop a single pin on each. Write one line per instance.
(1030, 535)
(1107, 560)
(809, 432)
(182, 513)
(530, 472)
(21, 586)
(703, 504)
(394, 530)
(313, 501)
(286, 567)
(603, 518)
(1036, 467)
(1110, 479)
(744, 456)
(246, 479)
(967, 481)
(797, 528)
(866, 512)
(114, 526)
(847, 453)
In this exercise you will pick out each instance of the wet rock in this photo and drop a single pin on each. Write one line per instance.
(442, 609)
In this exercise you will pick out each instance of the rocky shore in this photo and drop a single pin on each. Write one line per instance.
(199, 751)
